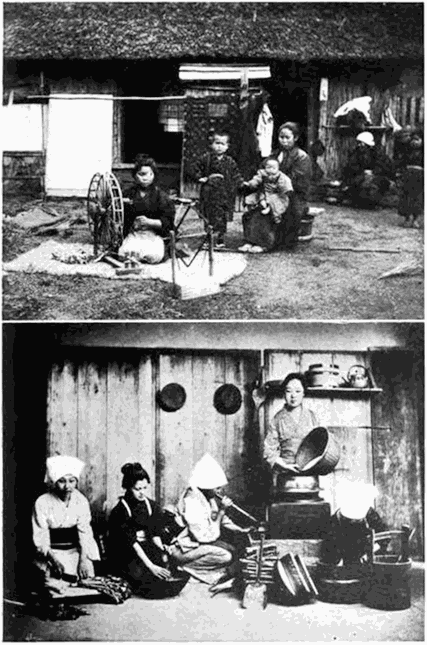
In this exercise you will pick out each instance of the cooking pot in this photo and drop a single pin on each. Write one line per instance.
(172, 397)
(320, 375)
(318, 453)
(165, 588)
(345, 585)
(300, 485)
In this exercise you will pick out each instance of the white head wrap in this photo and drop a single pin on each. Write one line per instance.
(208, 474)
(61, 465)
(355, 499)
(366, 137)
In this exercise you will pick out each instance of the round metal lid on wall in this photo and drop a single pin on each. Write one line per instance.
(172, 397)
(227, 399)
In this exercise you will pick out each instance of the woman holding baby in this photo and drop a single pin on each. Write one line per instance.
(283, 187)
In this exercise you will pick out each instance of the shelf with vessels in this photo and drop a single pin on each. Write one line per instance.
(274, 388)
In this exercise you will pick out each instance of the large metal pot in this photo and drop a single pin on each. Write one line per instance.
(318, 453)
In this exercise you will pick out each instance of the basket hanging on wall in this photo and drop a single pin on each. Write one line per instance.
(172, 397)
(227, 399)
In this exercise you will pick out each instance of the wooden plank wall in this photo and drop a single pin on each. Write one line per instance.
(184, 436)
(103, 413)
(338, 143)
(397, 457)
(336, 411)
(103, 410)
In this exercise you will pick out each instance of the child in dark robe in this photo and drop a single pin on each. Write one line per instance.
(220, 177)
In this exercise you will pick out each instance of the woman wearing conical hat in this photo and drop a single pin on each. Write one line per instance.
(199, 547)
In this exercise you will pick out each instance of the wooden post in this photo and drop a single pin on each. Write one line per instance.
(173, 259)
(210, 250)
(323, 114)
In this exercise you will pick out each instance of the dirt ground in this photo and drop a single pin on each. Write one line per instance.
(194, 616)
(315, 281)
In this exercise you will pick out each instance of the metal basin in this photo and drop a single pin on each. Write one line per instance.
(318, 453)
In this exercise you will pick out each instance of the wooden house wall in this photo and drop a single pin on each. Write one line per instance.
(398, 455)
(405, 98)
(338, 143)
(340, 412)
(104, 411)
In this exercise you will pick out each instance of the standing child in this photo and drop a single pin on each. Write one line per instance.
(411, 181)
(219, 177)
(273, 189)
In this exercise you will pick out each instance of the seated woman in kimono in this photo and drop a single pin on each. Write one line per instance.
(368, 174)
(199, 547)
(135, 548)
(62, 533)
(149, 215)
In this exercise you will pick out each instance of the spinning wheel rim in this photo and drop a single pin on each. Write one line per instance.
(105, 211)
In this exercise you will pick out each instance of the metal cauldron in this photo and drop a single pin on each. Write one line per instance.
(318, 453)
(164, 588)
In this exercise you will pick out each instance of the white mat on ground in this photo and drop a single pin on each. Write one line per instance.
(41, 260)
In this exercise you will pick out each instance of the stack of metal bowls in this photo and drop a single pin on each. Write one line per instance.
(294, 584)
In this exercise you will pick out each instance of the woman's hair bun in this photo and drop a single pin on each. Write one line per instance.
(133, 472)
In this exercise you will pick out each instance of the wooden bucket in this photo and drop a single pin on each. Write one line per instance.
(305, 233)
(344, 585)
(389, 586)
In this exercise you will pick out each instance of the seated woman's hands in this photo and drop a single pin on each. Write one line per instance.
(56, 567)
(160, 572)
(143, 223)
(85, 568)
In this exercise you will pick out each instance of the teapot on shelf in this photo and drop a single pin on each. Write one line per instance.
(358, 377)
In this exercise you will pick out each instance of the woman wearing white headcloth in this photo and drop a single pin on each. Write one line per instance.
(368, 173)
(199, 546)
(62, 532)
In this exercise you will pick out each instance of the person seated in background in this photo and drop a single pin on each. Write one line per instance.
(62, 533)
(368, 174)
(273, 190)
(149, 215)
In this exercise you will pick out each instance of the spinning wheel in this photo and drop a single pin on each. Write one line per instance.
(105, 212)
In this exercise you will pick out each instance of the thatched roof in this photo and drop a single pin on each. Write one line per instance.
(298, 31)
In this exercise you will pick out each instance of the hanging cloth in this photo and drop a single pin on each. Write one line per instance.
(264, 131)
(361, 104)
(388, 120)
(248, 156)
